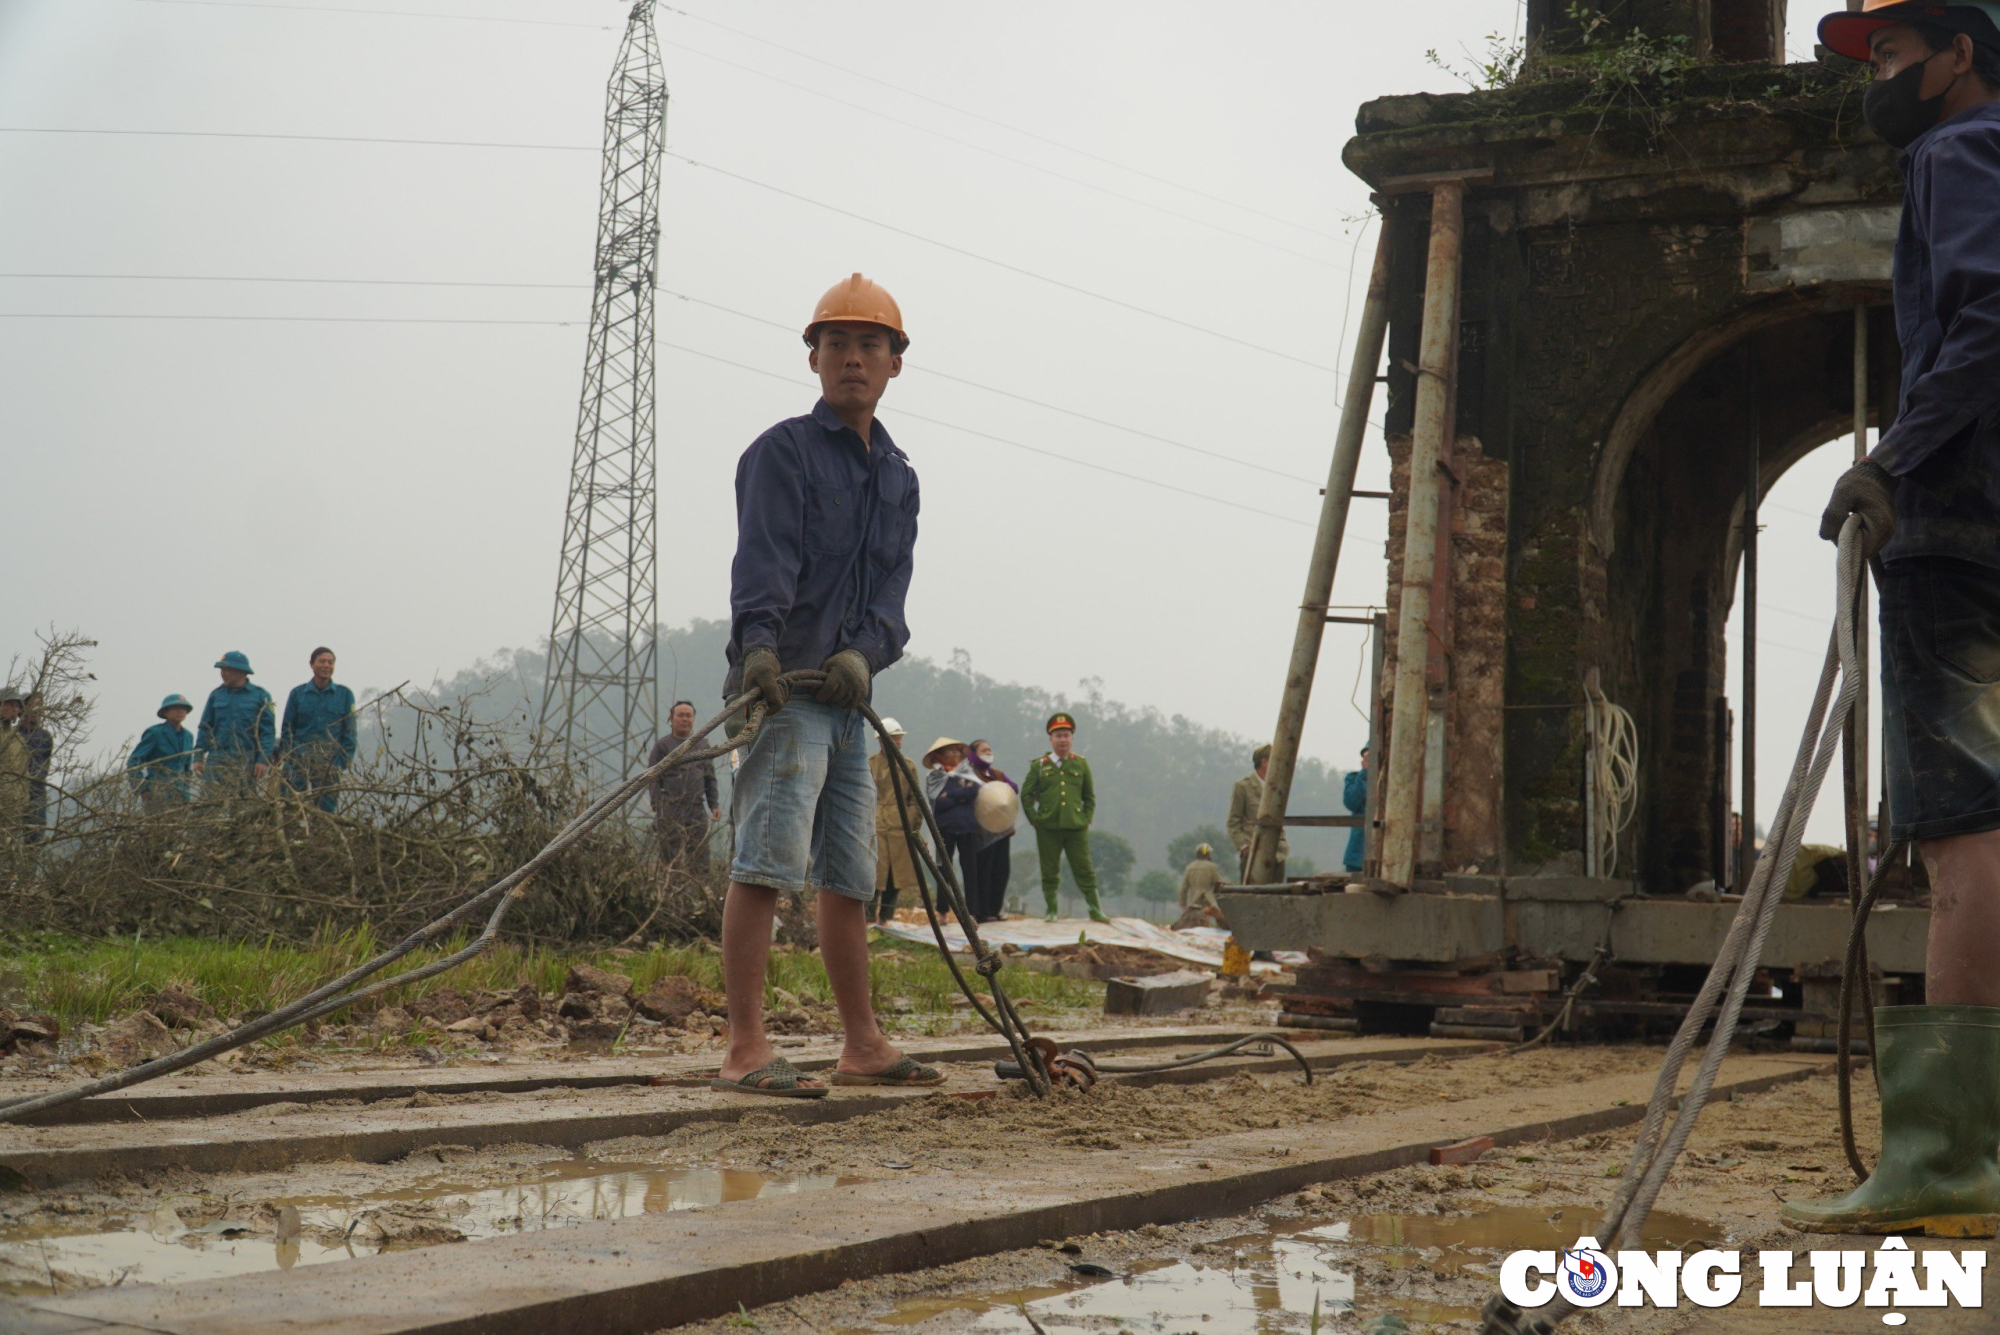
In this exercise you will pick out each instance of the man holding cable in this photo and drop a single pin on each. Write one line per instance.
(1929, 493)
(826, 515)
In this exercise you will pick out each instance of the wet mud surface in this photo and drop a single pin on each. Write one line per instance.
(173, 1225)
(1414, 1249)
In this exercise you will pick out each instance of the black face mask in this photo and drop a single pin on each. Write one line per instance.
(1893, 108)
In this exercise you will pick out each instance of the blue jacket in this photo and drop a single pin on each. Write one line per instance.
(1945, 445)
(319, 722)
(238, 726)
(953, 804)
(164, 759)
(1354, 796)
(825, 531)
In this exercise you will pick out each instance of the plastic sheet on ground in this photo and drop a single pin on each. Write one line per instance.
(1195, 945)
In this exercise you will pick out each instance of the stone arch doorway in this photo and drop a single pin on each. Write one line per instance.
(1779, 379)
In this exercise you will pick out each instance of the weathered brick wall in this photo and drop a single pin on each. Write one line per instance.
(1474, 770)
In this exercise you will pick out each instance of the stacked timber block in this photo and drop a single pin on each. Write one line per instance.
(1484, 997)
(1818, 1029)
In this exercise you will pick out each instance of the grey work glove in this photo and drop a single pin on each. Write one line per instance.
(1868, 490)
(846, 683)
(761, 674)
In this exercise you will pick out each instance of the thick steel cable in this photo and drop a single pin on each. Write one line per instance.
(1195, 1059)
(346, 990)
(1855, 969)
(1737, 960)
(1004, 1019)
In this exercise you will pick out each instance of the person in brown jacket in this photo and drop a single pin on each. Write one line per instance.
(895, 865)
(14, 769)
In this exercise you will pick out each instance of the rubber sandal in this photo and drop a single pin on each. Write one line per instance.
(777, 1079)
(905, 1070)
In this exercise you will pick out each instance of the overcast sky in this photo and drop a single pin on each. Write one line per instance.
(182, 486)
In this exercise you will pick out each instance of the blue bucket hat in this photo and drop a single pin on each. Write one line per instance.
(235, 658)
(173, 702)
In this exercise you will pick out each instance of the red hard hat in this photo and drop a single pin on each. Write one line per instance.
(1847, 32)
(862, 301)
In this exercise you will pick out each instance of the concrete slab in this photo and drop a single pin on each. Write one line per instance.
(270, 1137)
(211, 1091)
(1431, 928)
(637, 1275)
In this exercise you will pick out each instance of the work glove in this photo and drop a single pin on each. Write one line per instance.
(761, 674)
(1868, 490)
(846, 683)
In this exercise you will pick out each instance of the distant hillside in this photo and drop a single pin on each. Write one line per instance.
(1157, 776)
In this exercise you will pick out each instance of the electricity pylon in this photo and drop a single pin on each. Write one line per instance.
(600, 697)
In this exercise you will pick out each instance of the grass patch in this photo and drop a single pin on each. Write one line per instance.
(80, 980)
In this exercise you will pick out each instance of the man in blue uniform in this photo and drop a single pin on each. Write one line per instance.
(316, 738)
(238, 733)
(162, 764)
(1929, 494)
(826, 520)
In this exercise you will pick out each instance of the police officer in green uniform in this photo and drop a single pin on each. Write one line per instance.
(1060, 800)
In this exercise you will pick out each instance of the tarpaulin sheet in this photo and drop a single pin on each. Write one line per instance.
(1195, 945)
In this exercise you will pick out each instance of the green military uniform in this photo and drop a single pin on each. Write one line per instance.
(1244, 799)
(1199, 881)
(1060, 801)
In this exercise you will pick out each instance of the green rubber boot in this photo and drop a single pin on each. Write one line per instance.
(1939, 1071)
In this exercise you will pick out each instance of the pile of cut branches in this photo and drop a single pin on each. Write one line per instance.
(420, 822)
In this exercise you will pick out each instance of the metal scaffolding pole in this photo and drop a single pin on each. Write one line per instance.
(1858, 725)
(1285, 739)
(1747, 849)
(600, 695)
(1410, 712)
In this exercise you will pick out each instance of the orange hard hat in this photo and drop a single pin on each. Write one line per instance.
(863, 301)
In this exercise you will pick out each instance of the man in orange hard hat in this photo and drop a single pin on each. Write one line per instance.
(1929, 495)
(826, 524)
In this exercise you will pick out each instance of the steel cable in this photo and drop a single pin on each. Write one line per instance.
(346, 990)
(1737, 960)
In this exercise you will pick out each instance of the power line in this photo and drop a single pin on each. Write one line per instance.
(1010, 394)
(338, 282)
(1004, 440)
(1006, 157)
(300, 138)
(280, 319)
(851, 73)
(692, 300)
(1004, 265)
(694, 352)
(381, 13)
(735, 176)
(1011, 129)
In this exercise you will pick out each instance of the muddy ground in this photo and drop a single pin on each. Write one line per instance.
(439, 1195)
(1421, 1244)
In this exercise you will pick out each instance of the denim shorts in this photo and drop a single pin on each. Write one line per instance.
(1941, 696)
(804, 803)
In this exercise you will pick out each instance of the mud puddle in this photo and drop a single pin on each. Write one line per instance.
(1268, 1282)
(284, 1232)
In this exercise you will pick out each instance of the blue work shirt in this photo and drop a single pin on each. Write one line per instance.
(238, 725)
(1354, 796)
(163, 760)
(825, 530)
(319, 721)
(1945, 445)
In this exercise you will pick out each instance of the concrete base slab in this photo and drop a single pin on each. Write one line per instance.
(265, 1138)
(640, 1274)
(212, 1091)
